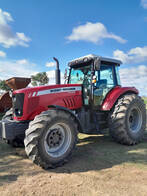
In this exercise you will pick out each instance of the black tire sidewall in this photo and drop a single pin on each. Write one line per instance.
(135, 135)
(41, 148)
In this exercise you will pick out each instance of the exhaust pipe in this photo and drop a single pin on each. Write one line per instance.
(57, 71)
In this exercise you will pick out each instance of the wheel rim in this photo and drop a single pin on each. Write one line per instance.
(57, 140)
(135, 119)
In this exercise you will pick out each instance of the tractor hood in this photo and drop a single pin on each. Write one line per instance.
(30, 102)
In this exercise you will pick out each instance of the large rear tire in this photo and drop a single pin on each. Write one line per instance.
(127, 120)
(51, 138)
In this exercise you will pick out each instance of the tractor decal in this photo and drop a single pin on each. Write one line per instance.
(59, 90)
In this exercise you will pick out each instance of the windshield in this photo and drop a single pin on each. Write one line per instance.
(80, 75)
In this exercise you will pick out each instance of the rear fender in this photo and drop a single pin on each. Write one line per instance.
(57, 107)
(113, 96)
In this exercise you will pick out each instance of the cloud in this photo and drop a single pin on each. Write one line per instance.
(25, 62)
(51, 76)
(144, 4)
(50, 64)
(7, 37)
(16, 68)
(23, 68)
(135, 55)
(93, 32)
(2, 54)
(137, 77)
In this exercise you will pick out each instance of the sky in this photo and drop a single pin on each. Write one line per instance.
(32, 32)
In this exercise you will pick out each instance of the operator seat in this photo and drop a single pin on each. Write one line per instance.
(100, 91)
(101, 84)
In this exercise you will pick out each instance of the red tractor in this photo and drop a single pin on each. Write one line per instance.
(47, 119)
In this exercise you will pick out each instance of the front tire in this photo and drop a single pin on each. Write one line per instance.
(51, 138)
(127, 120)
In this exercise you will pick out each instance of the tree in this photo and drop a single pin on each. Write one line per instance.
(39, 79)
(4, 86)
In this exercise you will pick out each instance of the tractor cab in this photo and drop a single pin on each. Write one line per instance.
(97, 75)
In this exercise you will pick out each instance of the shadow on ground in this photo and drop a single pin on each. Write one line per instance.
(100, 152)
(93, 153)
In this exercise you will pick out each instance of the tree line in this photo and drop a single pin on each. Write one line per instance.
(36, 80)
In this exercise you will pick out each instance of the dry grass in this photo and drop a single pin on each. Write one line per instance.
(98, 167)
(145, 101)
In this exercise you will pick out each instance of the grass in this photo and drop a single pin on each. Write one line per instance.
(145, 100)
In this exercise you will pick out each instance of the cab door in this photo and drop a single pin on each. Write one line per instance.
(105, 81)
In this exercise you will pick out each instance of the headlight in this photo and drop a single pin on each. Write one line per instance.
(18, 101)
(18, 112)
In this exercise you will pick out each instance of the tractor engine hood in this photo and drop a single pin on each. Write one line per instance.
(38, 99)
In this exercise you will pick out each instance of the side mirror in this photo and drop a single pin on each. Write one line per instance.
(97, 63)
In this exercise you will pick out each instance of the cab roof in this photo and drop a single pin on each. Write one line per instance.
(90, 57)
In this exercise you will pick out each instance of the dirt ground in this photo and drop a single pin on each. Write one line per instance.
(98, 166)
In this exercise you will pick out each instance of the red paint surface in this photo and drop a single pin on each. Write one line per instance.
(34, 105)
(114, 94)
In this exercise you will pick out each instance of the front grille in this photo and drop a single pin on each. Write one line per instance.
(69, 102)
(18, 101)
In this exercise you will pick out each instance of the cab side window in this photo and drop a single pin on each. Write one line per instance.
(105, 82)
(105, 77)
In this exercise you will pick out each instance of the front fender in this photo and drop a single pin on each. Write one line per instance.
(69, 111)
(114, 94)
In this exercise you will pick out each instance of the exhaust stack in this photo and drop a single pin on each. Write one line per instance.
(57, 71)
